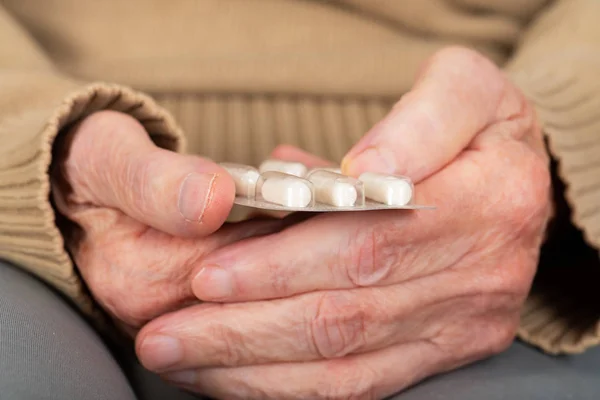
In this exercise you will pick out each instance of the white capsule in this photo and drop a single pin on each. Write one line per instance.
(387, 189)
(285, 190)
(330, 169)
(287, 167)
(245, 178)
(335, 189)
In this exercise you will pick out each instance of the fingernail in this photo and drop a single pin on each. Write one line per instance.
(213, 283)
(187, 377)
(372, 159)
(158, 352)
(195, 195)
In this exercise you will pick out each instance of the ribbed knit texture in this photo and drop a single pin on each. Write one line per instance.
(560, 76)
(28, 234)
(568, 105)
(246, 128)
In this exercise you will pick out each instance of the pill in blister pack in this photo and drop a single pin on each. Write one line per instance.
(386, 189)
(291, 186)
(336, 170)
(284, 189)
(245, 178)
(335, 189)
(287, 167)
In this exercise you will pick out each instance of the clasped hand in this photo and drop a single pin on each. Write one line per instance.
(341, 305)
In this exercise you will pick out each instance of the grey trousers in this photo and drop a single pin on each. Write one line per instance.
(47, 351)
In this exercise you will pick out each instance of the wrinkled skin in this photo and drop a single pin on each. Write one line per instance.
(134, 248)
(348, 305)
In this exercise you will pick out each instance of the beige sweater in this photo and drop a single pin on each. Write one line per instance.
(240, 76)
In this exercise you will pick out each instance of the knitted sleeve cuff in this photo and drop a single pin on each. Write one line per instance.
(557, 68)
(29, 236)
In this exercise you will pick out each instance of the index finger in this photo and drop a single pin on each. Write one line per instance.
(353, 249)
(458, 94)
(341, 250)
(292, 153)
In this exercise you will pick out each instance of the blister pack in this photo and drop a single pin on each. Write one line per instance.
(291, 186)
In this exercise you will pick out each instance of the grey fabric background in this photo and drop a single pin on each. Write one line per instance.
(47, 351)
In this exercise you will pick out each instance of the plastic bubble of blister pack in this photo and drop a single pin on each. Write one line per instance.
(291, 186)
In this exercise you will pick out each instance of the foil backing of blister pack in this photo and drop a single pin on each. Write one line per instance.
(319, 207)
(283, 186)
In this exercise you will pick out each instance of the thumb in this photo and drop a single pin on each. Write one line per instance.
(113, 163)
(456, 96)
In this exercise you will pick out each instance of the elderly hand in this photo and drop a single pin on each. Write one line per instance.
(145, 216)
(363, 305)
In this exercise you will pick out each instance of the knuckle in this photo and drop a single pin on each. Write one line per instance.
(500, 336)
(529, 194)
(125, 303)
(101, 277)
(473, 76)
(131, 311)
(126, 171)
(461, 56)
(279, 276)
(131, 295)
(337, 326)
(515, 107)
(350, 380)
(241, 388)
(507, 279)
(369, 256)
(138, 176)
(124, 307)
(112, 119)
(483, 338)
(231, 345)
(516, 277)
(115, 126)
